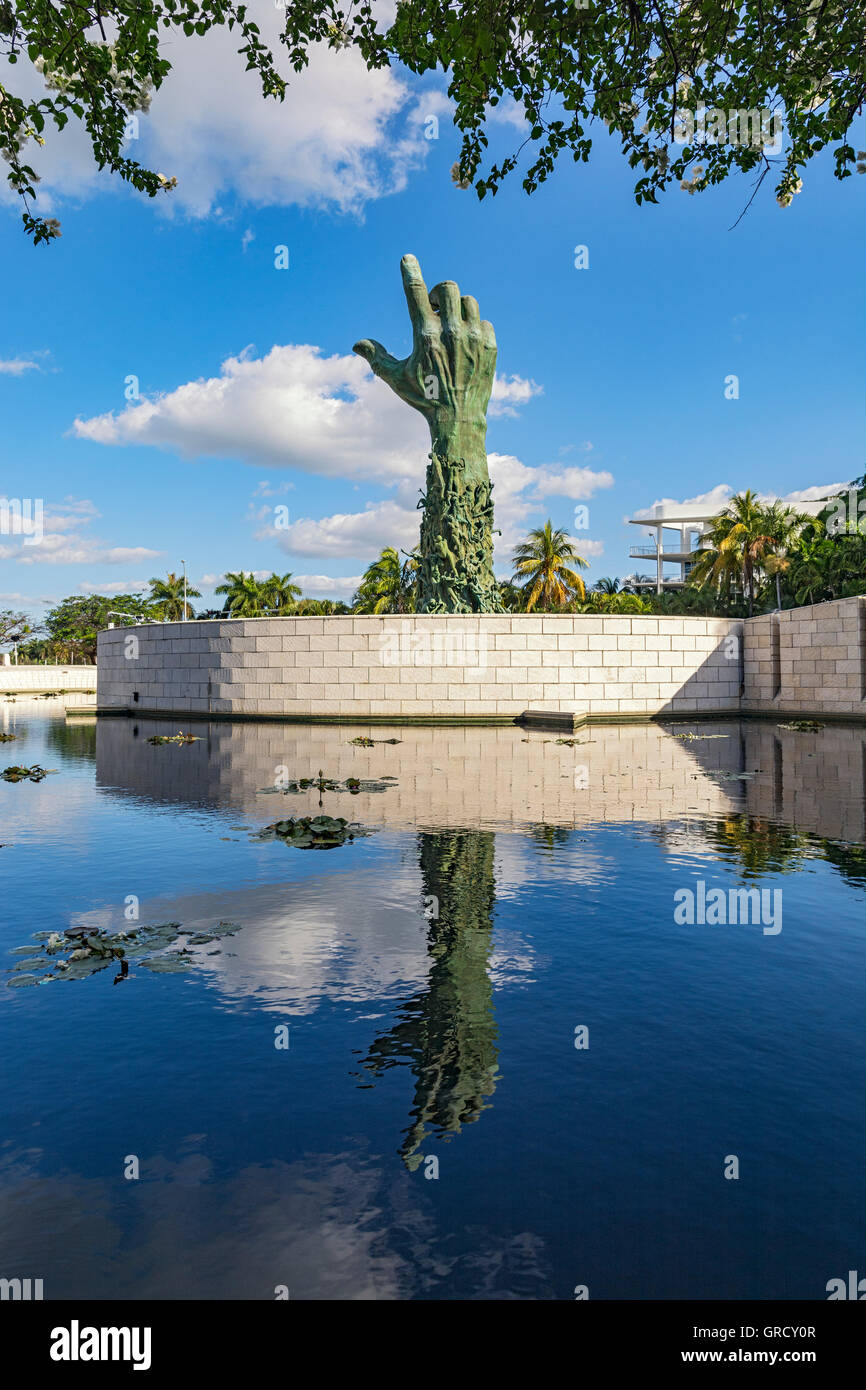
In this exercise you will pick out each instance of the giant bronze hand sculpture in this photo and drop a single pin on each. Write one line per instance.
(448, 377)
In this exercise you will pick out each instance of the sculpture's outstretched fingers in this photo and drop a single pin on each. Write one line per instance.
(487, 334)
(420, 310)
(383, 364)
(471, 312)
(446, 298)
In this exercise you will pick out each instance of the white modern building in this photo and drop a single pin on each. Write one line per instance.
(676, 534)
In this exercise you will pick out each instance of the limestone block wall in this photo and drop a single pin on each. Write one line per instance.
(808, 660)
(45, 678)
(443, 667)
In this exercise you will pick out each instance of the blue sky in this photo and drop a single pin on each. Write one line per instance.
(611, 378)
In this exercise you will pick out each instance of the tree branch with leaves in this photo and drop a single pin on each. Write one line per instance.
(569, 66)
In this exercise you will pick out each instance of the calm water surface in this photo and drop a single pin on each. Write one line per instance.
(508, 890)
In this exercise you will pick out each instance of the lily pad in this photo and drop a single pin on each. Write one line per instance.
(316, 832)
(83, 951)
(321, 784)
(167, 965)
(22, 774)
(80, 969)
(691, 737)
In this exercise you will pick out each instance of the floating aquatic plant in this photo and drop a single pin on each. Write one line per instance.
(329, 784)
(79, 951)
(179, 737)
(692, 737)
(312, 832)
(26, 774)
(8, 738)
(803, 726)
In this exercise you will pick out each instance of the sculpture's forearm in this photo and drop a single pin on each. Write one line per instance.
(454, 438)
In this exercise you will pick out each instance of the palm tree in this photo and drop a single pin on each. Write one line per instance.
(786, 526)
(166, 596)
(623, 601)
(387, 585)
(738, 541)
(279, 593)
(510, 596)
(636, 583)
(245, 596)
(606, 586)
(319, 608)
(543, 566)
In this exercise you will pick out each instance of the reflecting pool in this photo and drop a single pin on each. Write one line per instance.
(471, 1049)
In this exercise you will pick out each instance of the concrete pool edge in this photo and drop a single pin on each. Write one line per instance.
(556, 721)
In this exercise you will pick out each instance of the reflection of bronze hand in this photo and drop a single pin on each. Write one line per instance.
(447, 1032)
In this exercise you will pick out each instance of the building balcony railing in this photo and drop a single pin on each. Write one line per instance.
(649, 552)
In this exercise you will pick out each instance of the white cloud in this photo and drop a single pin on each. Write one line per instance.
(119, 586)
(69, 515)
(266, 489)
(714, 500)
(326, 585)
(350, 533)
(24, 600)
(293, 408)
(296, 408)
(719, 496)
(57, 550)
(507, 112)
(812, 494)
(17, 366)
(62, 544)
(577, 483)
(342, 137)
(519, 494)
(509, 392)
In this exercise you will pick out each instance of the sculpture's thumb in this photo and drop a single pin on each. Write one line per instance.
(383, 364)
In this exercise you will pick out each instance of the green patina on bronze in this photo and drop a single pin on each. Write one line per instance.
(448, 377)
